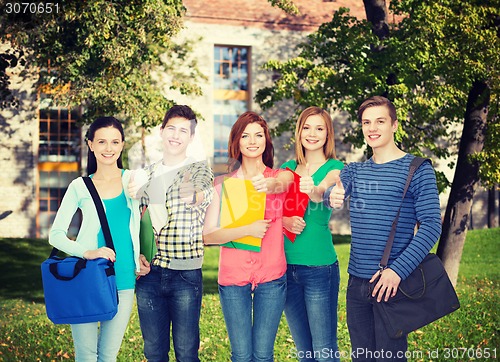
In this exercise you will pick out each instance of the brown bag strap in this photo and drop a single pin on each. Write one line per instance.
(414, 165)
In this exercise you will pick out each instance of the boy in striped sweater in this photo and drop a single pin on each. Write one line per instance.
(375, 188)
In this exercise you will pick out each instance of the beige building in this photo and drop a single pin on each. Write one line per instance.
(41, 148)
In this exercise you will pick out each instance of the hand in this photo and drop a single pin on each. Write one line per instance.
(337, 195)
(103, 252)
(259, 183)
(138, 178)
(187, 191)
(306, 183)
(294, 224)
(259, 228)
(145, 266)
(387, 284)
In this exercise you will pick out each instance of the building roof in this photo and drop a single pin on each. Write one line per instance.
(260, 13)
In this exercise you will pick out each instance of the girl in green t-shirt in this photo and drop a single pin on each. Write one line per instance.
(312, 271)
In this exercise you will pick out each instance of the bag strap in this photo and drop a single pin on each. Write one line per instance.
(100, 212)
(414, 165)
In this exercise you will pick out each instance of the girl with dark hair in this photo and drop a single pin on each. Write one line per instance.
(252, 322)
(102, 122)
(105, 140)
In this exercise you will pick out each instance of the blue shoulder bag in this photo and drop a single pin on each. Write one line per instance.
(78, 290)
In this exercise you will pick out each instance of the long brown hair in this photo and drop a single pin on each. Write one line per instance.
(237, 130)
(328, 147)
(102, 122)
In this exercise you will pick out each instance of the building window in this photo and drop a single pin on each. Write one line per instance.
(53, 182)
(59, 159)
(59, 135)
(231, 93)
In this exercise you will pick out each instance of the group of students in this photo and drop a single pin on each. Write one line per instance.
(300, 277)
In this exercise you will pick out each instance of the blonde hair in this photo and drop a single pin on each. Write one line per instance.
(328, 147)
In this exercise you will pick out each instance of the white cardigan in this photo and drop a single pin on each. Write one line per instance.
(78, 197)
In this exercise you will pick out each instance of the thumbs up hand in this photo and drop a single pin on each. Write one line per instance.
(259, 182)
(337, 195)
(187, 192)
(306, 183)
(138, 178)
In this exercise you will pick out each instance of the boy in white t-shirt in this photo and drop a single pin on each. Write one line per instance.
(177, 193)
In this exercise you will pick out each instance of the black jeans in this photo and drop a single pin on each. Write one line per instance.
(369, 338)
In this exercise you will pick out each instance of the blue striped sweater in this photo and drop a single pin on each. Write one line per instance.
(375, 192)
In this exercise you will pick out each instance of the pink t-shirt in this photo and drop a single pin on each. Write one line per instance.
(242, 267)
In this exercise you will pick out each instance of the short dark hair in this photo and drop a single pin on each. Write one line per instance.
(181, 111)
(376, 101)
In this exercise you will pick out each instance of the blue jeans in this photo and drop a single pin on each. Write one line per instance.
(170, 297)
(94, 343)
(311, 310)
(369, 338)
(253, 340)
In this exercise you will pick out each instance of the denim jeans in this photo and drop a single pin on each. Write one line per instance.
(253, 340)
(311, 310)
(170, 297)
(102, 343)
(369, 338)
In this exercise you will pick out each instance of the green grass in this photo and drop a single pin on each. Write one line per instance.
(27, 335)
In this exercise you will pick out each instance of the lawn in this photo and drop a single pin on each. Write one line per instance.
(471, 333)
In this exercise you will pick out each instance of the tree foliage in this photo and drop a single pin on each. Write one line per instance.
(286, 5)
(102, 54)
(426, 66)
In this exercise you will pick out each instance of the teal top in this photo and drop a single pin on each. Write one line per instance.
(118, 215)
(77, 197)
(314, 246)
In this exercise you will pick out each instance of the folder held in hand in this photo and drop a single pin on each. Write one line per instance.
(295, 203)
(241, 205)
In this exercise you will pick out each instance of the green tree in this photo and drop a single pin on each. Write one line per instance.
(440, 65)
(101, 54)
(286, 5)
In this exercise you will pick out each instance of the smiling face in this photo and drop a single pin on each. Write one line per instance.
(314, 133)
(253, 141)
(176, 136)
(378, 127)
(107, 145)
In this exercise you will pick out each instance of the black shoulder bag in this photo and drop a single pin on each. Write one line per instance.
(424, 296)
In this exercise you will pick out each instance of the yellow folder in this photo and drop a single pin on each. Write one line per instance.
(241, 205)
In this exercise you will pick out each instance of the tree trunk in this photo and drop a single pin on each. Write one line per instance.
(376, 13)
(491, 208)
(465, 181)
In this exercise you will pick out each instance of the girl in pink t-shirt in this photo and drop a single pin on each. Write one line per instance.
(252, 285)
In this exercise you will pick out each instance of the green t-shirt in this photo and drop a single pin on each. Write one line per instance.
(314, 246)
